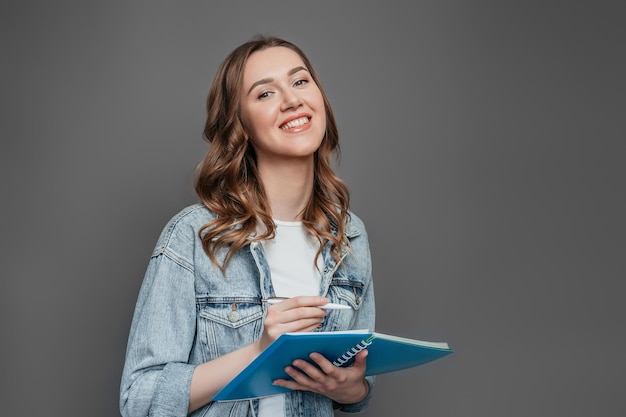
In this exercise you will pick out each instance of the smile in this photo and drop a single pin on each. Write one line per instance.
(295, 123)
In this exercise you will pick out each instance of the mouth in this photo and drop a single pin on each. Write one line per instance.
(300, 121)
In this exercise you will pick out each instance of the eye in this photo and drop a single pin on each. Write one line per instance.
(300, 82)
(264, 95)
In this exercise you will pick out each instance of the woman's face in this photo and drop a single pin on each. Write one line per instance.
(282, 108)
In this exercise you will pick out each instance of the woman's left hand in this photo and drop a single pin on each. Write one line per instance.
(343, 385)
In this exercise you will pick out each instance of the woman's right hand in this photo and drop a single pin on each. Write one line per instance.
(297, 314)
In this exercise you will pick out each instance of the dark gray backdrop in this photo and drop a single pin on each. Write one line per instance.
(482, 142)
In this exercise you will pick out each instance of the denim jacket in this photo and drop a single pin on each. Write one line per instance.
(188, 312)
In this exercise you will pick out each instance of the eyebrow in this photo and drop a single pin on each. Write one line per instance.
(269, 80)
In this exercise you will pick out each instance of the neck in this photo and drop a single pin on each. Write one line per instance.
(288, 187)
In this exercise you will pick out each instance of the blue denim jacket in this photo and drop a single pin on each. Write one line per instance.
(188, 313)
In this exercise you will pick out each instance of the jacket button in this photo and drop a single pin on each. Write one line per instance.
(233, 316)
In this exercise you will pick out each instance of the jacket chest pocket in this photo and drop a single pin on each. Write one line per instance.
(227, 324)
(348, 290)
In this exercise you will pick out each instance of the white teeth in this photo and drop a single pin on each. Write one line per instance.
(295, 123)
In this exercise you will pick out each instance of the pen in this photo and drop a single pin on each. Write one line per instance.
(329, 306)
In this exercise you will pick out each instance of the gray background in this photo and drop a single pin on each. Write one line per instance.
(483, 143)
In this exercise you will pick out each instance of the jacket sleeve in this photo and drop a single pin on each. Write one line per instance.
(156, 376)
(365, 319)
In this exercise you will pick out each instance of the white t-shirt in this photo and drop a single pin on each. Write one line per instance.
(290, 256)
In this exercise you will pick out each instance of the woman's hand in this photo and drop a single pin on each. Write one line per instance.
(297, 314)
(343, 385)
(302, 314)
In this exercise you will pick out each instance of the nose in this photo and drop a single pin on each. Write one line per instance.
(291, 100)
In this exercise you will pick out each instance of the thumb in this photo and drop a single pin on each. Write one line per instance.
(360, 360)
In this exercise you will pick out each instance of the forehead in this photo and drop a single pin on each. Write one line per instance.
(274, 62)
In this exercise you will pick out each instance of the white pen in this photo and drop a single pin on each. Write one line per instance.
(329, 306)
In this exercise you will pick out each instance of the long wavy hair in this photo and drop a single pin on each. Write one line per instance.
(227, 180)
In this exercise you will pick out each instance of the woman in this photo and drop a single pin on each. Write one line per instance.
(273, 220)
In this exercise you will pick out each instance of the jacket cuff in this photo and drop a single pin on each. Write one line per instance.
(361, 405)
(171, 395)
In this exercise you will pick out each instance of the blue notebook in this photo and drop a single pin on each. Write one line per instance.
(386, 353)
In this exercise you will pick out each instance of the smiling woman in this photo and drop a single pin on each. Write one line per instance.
(273, 220)
(283, 110)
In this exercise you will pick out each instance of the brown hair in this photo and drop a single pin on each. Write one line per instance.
(227, 180)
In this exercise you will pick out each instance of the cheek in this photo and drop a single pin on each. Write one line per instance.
(259, 119)
(317, 98)
(322, 114)
(319, 105)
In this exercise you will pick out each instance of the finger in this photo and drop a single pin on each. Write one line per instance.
(287, 383)
(360, 364)
(275, 329)
(302, 301)
(313, 379)
(360, 360)
(309, 370)
(307, 325)
(300, 377)
(324, 364)
(295, 314)
(281, 314)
